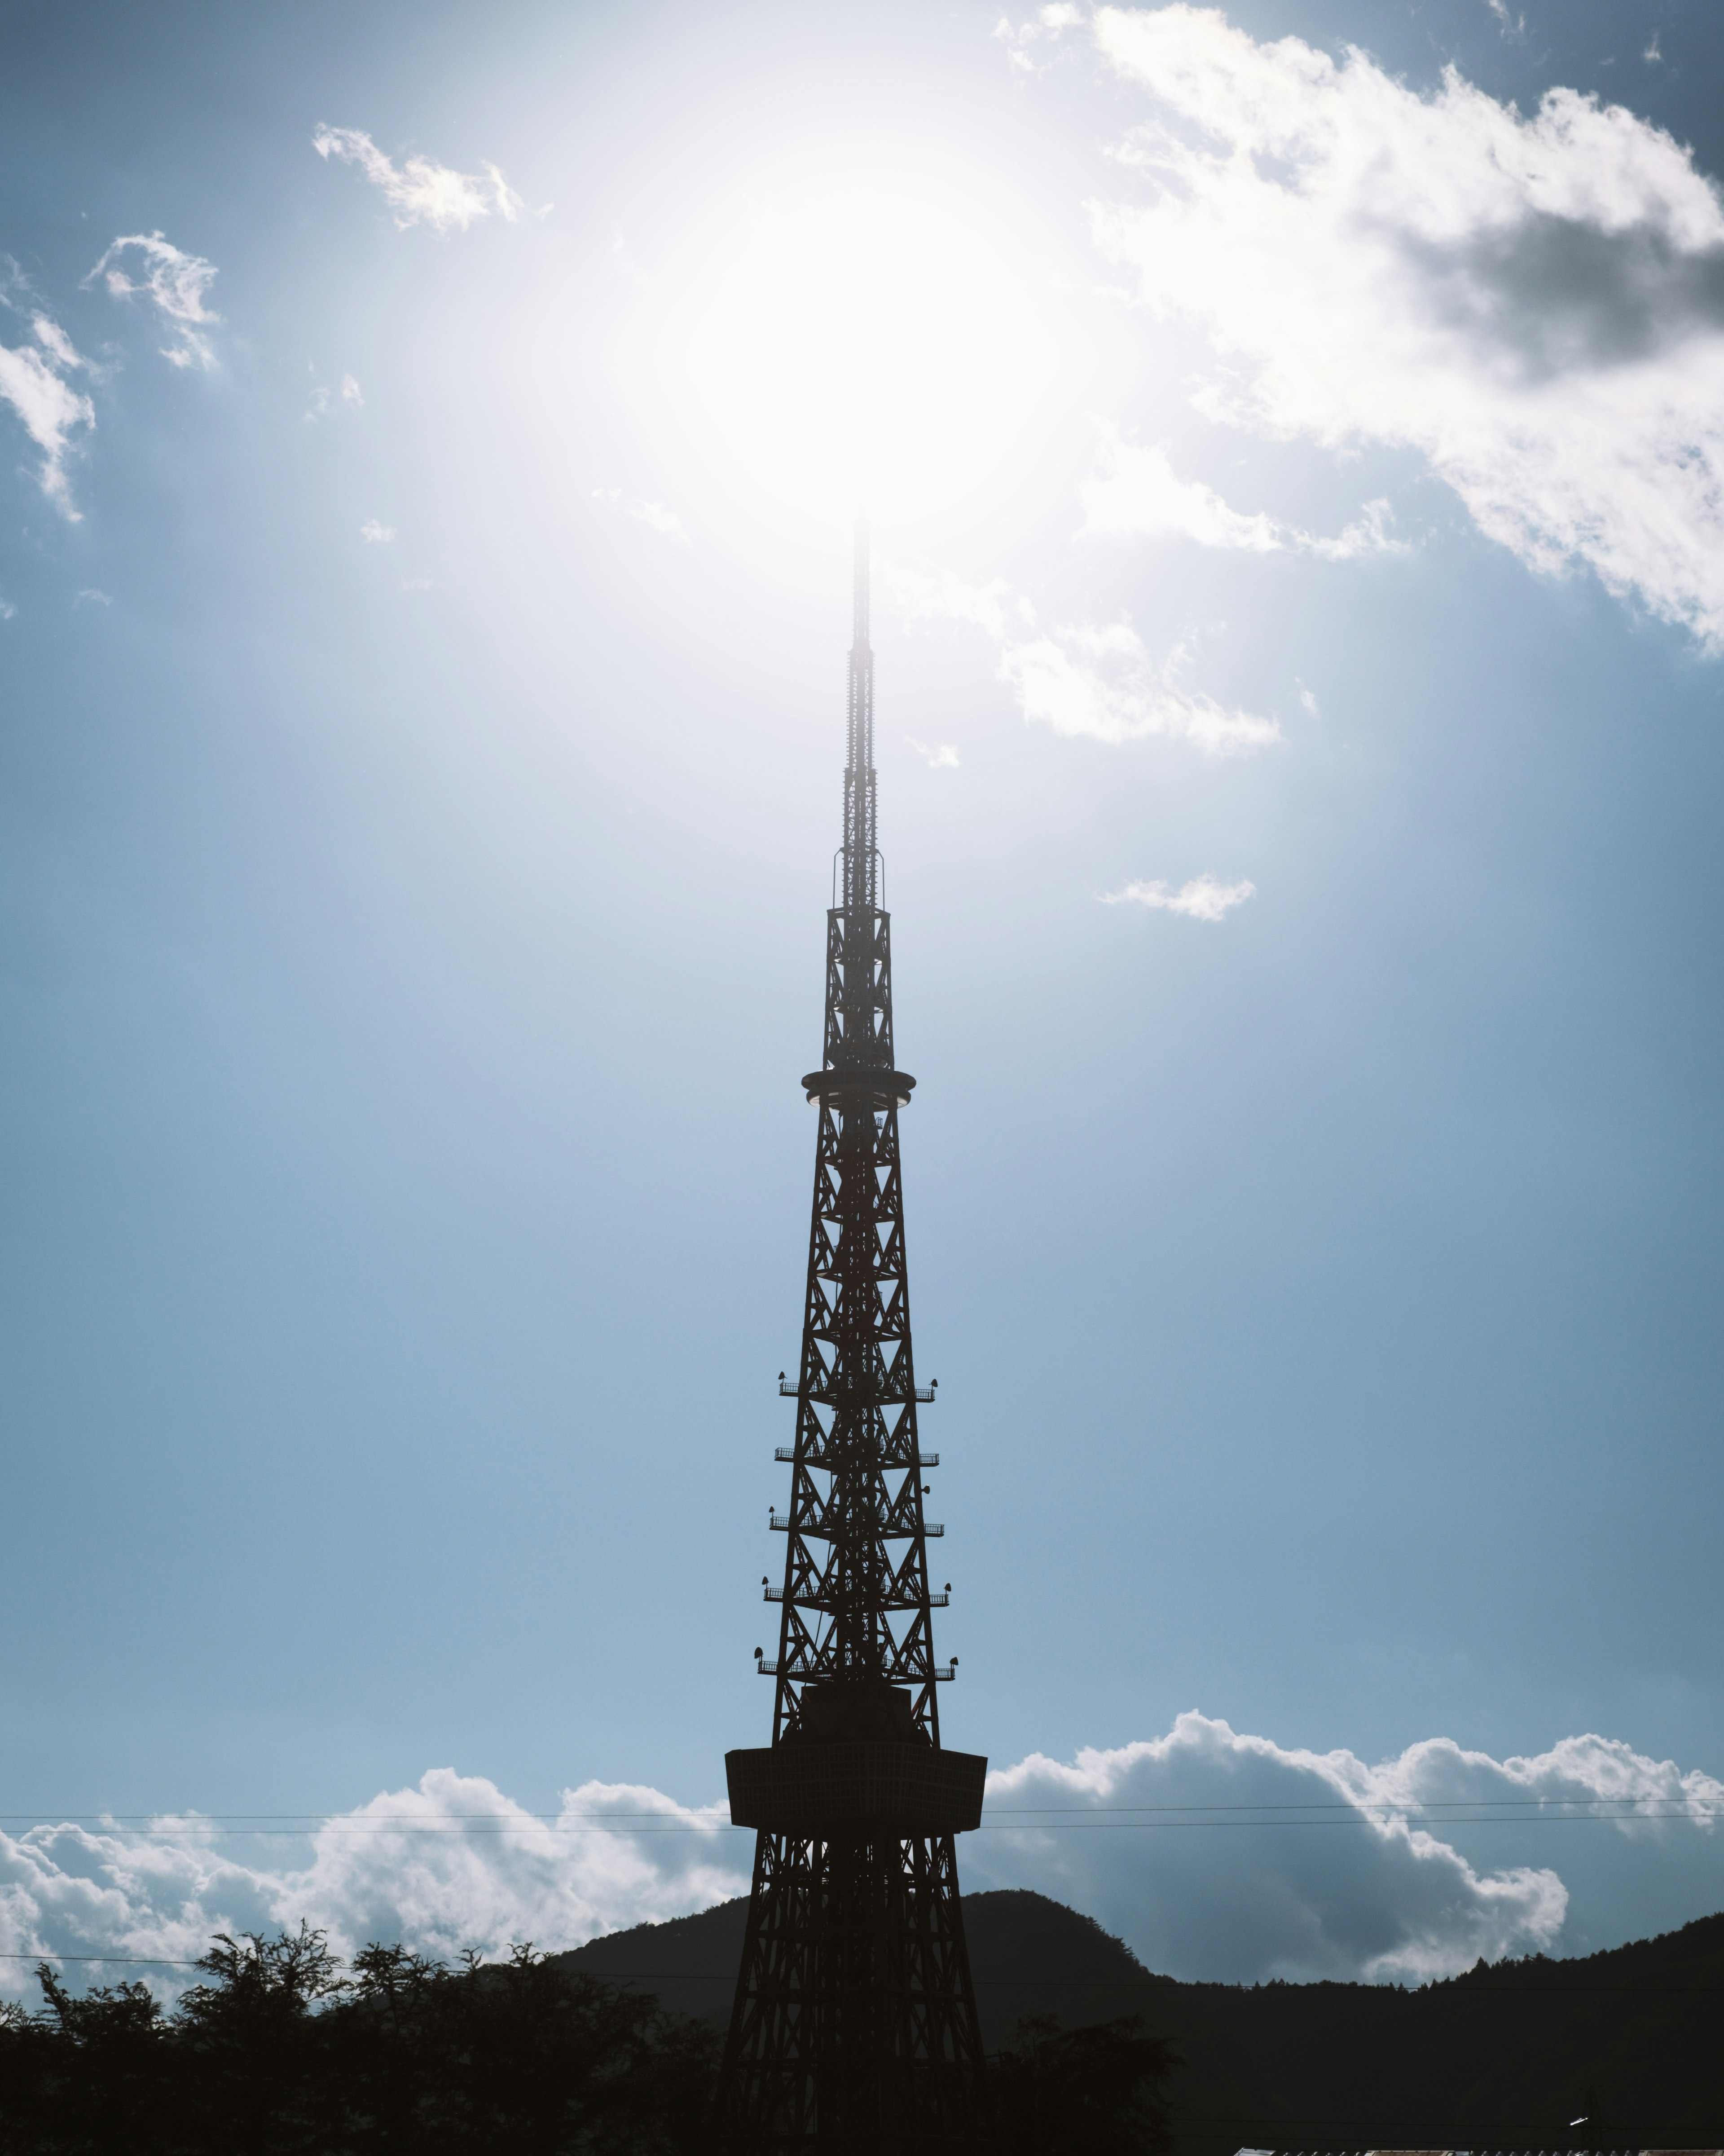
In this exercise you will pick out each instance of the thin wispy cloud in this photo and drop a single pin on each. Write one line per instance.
(34, 381)
(1535, 303)
(624, 261)
(653, 514)
(90, 596)
(417, 190)
(938, 756)
(1204, 898)
(1044, 27)
(1135, 492)
(7, 610)
(1510, 25)
(324, 399)
(375, 534)
(1081, 680)
(173, 282)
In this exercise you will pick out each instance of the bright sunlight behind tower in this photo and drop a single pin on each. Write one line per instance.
(867, 342)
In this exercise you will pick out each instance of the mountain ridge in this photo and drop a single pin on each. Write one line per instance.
(1630, 2038)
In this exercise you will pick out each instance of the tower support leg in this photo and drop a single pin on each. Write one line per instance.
(854, 2030)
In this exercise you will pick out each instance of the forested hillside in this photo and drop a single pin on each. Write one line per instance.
(1506, 2055)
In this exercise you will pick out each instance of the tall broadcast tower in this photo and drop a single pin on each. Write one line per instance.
(854, 2024)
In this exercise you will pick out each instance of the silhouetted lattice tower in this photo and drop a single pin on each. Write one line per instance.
(854, 2024)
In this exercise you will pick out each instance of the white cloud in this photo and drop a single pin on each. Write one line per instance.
(1367, 534)
(1535, 303)
(375, 534)
(1230, 1876)
(1653, 54)
(54, 340)
(937, 595)
(1215, 1854)
(322, 399)
(7, 610)
(1202, 899)
(1048, 24)
(471, 1869)
(1101, 682)
(416, 583)
(1082, 680)
(32, 383)
(1136, 492)
(938, 756)
(1511, 26)
(653, 514)
(658, 518)
(90, 596)
(175, 283)
(418, 190)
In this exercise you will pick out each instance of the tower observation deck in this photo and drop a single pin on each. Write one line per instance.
(854, 2028)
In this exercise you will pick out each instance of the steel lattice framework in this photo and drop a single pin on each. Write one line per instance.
(854, 2024)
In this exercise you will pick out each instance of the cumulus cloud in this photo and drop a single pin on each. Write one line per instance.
(448, 1865)
(1202, 899)
(419, 192)
(1135, 491)
(1228, 1857)
(33, 382)
(1081, 678)
(653, 514)
(1216, 1854)
(1535, 303)
(175, 284)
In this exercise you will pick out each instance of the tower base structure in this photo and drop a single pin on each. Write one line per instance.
(855, 2031)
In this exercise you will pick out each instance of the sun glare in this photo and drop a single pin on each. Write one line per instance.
(863, 343)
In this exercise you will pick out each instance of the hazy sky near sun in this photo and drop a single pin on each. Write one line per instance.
(1294, 439)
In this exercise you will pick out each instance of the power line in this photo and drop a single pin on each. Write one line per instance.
(478, 1831)
(1455, 1811)
(144, 1961)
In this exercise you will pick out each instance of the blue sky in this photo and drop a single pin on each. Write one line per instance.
(431, 436)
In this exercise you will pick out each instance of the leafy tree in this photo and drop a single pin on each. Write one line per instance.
(1091, 2092)
(277, 2052)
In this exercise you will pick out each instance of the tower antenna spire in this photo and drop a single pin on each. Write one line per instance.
(854, 2031)
(861, 806)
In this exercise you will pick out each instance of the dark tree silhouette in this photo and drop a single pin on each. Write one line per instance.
(276, 2052)
(1091, 2092)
